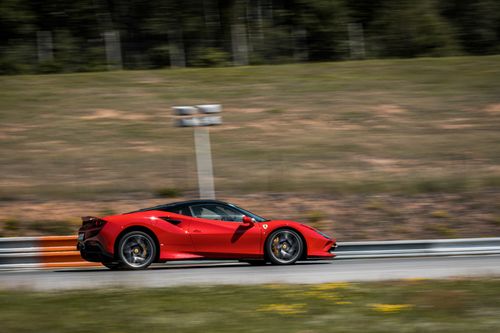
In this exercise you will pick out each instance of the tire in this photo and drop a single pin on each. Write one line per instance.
(112, 265)
(284, 247)
(136, 250)
(255, 262)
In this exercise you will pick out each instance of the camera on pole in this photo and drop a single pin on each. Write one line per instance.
(199, 115)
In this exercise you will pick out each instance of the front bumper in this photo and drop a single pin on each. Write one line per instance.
(333, 248)
(93, 251)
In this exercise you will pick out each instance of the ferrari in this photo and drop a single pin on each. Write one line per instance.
(198, 229)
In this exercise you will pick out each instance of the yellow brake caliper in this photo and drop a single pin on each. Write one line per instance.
(276, 250)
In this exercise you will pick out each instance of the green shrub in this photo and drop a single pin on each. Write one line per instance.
(495, 219)
(107, 212)
(210, 57)
(316, 218)
(53, 227)
(160, 56)
(440, 214)
(410, 29)
(442, 230)
(375, 204)
(275, 111)
(11, 224)
(168, 192)
(9, 67)
(49, 67)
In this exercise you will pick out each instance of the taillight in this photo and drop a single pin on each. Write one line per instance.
(91, 222)
(99, 223)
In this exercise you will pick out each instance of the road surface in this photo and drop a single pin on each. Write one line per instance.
(206, 273)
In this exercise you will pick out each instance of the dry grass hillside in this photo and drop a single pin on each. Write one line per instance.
(371, 149)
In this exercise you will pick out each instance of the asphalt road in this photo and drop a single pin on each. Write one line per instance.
(176, 274)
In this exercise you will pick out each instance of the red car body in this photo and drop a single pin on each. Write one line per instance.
(182, 237)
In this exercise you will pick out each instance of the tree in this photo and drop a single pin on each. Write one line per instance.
(325, 22)
(410, 29)
(477, 24)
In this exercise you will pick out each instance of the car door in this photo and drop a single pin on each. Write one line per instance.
(172, 229)
(217, 231)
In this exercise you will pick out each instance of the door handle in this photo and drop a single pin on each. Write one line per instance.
(196, 230)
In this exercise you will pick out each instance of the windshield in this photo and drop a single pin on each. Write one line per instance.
(250, 214)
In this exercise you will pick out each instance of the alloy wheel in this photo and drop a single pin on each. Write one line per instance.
(137, 250)
(284, 247)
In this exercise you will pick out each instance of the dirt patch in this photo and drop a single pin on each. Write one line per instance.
(493, 108)
(143, 146)
(11, 130)
(385, 164)
(457, 123)
(114, 114)
(147, 149)
(456, 126)
(347, 127)
(295, 125)
(389, 110)
(244, 110)
(269, 125)
(225, 127)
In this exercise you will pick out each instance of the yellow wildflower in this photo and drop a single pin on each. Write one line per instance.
(284, 309)
(390, 308)
(332, 286)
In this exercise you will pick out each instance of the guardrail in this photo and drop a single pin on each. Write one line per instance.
(60, 251)
(418, 248)
(40, 252)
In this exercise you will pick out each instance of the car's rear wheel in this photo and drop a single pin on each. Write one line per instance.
(136, 250)
(284, 247)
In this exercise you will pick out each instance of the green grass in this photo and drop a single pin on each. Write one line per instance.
(399, 306)
(411, 126)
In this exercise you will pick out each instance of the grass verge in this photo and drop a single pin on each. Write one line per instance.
(400, 306)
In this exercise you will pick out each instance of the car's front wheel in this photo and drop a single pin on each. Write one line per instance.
(255, 262)
(284, 247)
(112, 265)
(136, 250)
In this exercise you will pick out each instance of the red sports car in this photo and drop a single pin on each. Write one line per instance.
(198, 229)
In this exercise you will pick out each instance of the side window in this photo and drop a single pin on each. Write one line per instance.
(216, 212)
(184, 210)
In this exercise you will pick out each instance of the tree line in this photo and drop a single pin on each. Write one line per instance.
(40, 36)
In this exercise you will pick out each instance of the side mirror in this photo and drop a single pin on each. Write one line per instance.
(248, 220)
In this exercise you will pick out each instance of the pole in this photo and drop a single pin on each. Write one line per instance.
(204, 162)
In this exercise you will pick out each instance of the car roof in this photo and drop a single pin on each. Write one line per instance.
(179, 203)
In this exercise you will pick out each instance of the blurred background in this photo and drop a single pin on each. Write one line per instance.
(92, 35)
(367, 119)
